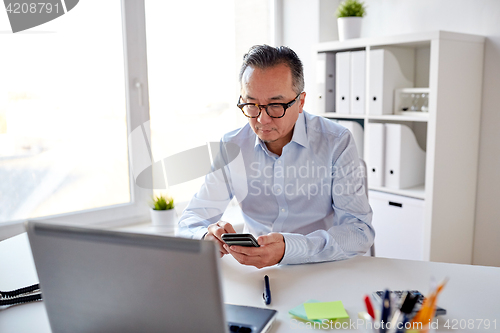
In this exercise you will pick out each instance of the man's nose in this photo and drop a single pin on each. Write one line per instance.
(264, 118)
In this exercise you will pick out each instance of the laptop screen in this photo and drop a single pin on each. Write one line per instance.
(106, 281)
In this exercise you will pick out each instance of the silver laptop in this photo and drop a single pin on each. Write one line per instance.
(107, 281)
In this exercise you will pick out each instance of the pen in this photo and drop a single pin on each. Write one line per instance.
(386, 311)
(369, 307)
(427, 311)
(402, 315)
(267, 291)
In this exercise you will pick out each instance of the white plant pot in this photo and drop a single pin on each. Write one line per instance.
(349, 27)
(163, 217)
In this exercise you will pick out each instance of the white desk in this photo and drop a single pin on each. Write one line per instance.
(473, 292)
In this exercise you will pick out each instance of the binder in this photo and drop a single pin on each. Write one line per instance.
(325, 79)
(343, 82)
(357, 132)
(376, 154)
(358, 82)
(404, 159)
(390, 68)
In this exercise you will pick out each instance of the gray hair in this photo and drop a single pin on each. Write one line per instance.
(265, 56)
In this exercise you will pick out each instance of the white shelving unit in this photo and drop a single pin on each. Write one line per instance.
(451, 66)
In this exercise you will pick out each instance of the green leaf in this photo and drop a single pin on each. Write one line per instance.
(350, 8)
(163, 202)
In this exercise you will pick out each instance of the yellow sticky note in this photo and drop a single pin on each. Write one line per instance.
(325, 310)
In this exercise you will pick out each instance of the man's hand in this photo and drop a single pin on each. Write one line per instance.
(270, 252)
(215, 232)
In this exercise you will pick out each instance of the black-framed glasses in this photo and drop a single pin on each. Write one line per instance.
(274, 110)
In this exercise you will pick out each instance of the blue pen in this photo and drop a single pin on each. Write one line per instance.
(386, 311)
(267, 291)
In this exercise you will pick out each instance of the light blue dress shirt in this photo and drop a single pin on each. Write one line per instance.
(313, 194)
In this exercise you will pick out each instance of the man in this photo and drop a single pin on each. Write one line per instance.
(300, 187)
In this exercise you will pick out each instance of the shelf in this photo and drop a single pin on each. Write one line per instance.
(335, 115)
(387, 117)
(396, 117)
(417, 192)
(410, 40)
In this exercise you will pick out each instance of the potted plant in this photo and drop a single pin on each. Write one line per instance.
(349, 16)
(163, 212)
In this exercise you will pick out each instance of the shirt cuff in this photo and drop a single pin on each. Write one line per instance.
(195, 233)
(200, 234)
(296, 249)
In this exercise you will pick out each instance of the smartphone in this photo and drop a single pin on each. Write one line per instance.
(240, 239)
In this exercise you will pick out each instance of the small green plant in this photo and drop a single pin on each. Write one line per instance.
(350, 8)
(162, 202)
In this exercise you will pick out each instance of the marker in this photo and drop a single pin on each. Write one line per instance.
(386, 310)
(267, 291)
(369, 307)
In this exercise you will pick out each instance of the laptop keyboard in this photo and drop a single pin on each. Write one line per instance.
(240, 329)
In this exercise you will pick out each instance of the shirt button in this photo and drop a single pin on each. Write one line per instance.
(283, 210)
(279, 162)
(278, 190)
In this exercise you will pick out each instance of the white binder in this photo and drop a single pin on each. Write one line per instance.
(358, 82)
(376, 154)
(404, 159)
(325, 79)
(357, 132)
(390, 69)
(343, 82)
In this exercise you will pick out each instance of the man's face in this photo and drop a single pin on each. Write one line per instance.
(271, 85)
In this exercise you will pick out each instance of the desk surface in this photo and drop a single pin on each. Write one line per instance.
(472, 293)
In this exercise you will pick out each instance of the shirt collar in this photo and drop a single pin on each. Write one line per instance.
(299, 134)
(258, 141)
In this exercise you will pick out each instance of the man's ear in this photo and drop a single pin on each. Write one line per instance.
(302, 101)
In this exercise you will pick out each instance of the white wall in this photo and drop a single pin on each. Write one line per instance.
(389, 17)
(300, 32)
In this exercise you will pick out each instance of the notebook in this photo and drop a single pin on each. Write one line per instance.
(108, 281)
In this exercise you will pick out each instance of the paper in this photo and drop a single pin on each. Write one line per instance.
(300, 312)
(325, 310)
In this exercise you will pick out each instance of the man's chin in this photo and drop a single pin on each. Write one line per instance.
(267, 139)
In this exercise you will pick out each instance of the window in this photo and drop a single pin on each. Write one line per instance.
(63, 130)
(69, 98)
(64, 119)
